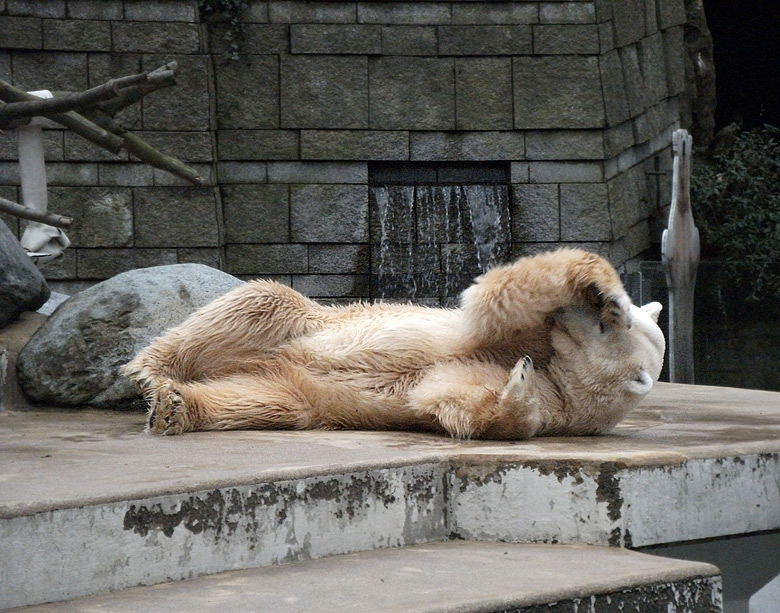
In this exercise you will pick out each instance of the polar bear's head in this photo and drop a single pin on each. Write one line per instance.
(606, 369)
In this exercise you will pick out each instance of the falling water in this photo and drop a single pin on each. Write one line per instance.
(433, 239)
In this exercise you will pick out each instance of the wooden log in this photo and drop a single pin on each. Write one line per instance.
(680, 253)
(17, 210)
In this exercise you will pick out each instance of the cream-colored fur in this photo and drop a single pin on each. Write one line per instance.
(548, 345)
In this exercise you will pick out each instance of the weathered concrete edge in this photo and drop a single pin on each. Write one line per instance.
(175, 537)
(610, 503)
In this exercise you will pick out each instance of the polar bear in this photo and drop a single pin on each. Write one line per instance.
(548, 345)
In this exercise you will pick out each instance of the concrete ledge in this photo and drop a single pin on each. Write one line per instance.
(89, 503)
(445, 577)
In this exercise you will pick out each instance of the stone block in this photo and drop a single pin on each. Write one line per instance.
(485, 40)
(73, 35)
(184, 107)
(412, 93)
(519, 172)
(654, 121)
(585, 213)
(636, 94)
(21, 32)
(567, 12)
(495, 12)
(651, 17)
(653, 63)
(674, 54)
(248, 93)
(294, 11)
(52, 145)
(557, 92)
(625, 194)
(256, 213)
(324, 92)
(331, 286)
(36, 8)
(53, 71)
(64, 267)
(257, 144)
(123, 173)
(467, 146)
(106, 263)
(484, 100)
(317, 172)
(670, 13)
(582, 39)
(161, 10)
(409, 40)
(266, 259)
(606, 37)
(564, 145)
(339, 259)
(344, 39)
(613, 81)
(96, 9)
(354, 145)
(155, 37)
(259, 38)
(618, 139)
(565, 172)
(603, 10)
(208, 256)
(535, 213)
(329, 213)
(628, 21)
(425, 13)
(101, 217)
(176, 217)
(242, 172)
(59, 173)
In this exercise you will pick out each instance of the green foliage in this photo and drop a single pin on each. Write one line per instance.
(231, 9)
(736, 203)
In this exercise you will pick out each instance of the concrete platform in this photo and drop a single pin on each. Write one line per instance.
(445, 577)
(90, 504)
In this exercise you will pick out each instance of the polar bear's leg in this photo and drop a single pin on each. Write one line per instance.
(223, 336)
(231, 403)
(475, 400)
(523, 295)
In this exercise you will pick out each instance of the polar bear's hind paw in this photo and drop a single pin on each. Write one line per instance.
(167, 412)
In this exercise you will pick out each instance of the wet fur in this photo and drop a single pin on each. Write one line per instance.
(548, 345)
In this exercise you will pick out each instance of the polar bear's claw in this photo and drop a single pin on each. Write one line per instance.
(168, 413)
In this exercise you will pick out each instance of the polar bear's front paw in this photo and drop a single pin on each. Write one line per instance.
(168, 413)
(614, 307)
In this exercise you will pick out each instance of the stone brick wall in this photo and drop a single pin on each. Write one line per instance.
(578, 99)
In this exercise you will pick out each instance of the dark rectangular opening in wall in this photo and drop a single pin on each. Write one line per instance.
(435, 226)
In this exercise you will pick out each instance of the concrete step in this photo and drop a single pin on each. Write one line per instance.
(460, 576)
(90, 504)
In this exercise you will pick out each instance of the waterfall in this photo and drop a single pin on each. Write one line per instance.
(434, 239)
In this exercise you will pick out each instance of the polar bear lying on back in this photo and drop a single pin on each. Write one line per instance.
(548, 345)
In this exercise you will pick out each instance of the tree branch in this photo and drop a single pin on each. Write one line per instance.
(17, 210)
(164, 76)
(71, 119)
(75, 101)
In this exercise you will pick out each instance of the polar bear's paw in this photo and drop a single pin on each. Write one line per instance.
(168, 413)
(520, 394)
(615, 307)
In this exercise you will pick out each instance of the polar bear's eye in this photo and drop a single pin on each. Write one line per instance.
(602, 327)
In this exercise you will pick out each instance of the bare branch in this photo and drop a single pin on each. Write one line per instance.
(164, 76)
(69, 102)
(51, 219)
(71, 119)
(144, 151)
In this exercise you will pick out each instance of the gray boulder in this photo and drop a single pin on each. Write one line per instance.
(22, 286)
(74, 359)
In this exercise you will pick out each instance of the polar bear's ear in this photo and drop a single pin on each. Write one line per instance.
(653, 309)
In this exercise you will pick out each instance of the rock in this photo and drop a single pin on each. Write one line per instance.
(22, 286)
(74, 359)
